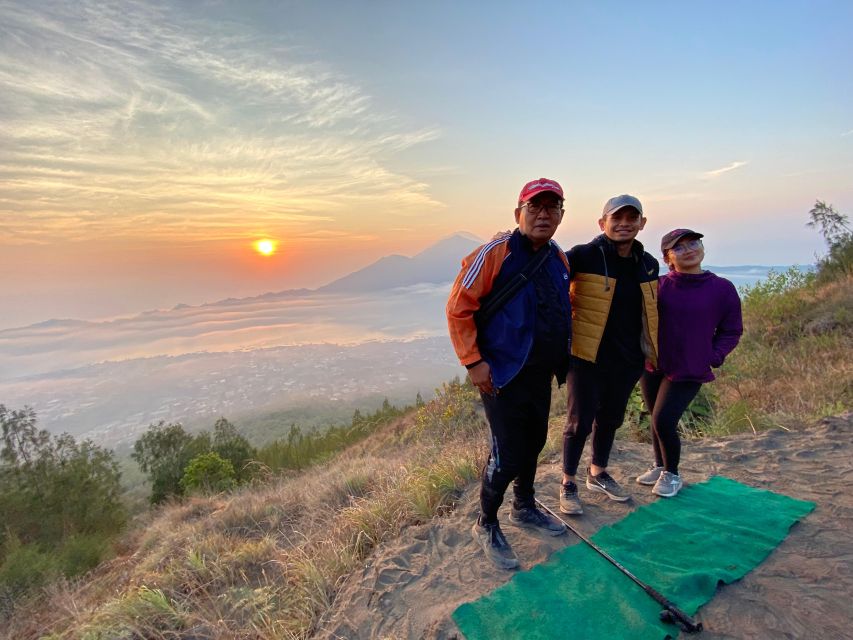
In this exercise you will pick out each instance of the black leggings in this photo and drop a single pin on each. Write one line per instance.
(666, 401)
(518, 426)
(597, 399)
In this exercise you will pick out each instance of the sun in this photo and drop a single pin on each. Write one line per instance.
(265, 247)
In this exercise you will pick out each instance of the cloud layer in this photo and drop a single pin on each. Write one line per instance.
(289, 318)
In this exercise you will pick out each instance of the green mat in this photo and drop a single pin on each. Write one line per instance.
(716, 531)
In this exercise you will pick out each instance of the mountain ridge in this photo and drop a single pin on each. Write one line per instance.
(437, 264)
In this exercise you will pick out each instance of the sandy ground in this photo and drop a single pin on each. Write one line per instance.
(804, 589)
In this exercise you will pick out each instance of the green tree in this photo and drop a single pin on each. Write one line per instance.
(834, 228)
(163, 453)
(60, 503)
(295, 449)
(230, 445)
(208, 473)
(22, 440)
(831, 224)
(52, 487)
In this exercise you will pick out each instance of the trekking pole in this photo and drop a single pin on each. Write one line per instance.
(671, 614)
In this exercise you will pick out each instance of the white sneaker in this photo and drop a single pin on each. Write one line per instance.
(650, 476)
(667, 485)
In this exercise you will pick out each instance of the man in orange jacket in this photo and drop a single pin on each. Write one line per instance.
(512, 355)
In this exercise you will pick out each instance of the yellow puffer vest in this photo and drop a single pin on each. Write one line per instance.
(592, 293)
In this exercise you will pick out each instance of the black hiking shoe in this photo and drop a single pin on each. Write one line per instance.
(495, 545)
(533, 518)
(604, 483)
(570, 502)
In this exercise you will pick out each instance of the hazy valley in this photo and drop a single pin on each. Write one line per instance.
(379, 332)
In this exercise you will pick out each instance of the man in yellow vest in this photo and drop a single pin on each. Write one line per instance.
(614, 332)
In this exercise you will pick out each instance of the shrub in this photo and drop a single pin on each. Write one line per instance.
(24, 568)
(767, 297)
(81, 553)
(208, 473)
(455, 411)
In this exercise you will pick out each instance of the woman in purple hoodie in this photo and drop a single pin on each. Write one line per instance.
(700, 324)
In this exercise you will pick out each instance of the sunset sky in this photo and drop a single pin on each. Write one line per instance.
(145, 147)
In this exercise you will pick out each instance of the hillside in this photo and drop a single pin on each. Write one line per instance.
(375, 542)
(264, 562)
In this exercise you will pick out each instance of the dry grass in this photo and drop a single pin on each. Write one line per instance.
(265, 562)
(793, 363)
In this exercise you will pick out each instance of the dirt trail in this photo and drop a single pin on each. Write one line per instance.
(803, 590)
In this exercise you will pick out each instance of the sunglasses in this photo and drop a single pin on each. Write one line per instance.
(690, 245)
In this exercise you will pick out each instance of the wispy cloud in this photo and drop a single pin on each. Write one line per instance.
(134, 119)
(737, 164)
(847, 133)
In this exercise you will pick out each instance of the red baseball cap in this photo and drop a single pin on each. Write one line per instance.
(539, 186)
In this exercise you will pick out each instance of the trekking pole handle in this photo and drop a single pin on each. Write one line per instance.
(670, 614)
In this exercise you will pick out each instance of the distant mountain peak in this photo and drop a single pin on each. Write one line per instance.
(436, 264)
(467, 235)
(52, 324)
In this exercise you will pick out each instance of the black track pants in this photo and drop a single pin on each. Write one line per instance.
(518, 426)
(667, 401)
(596, 404)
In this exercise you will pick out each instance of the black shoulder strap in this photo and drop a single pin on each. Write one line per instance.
(506, 293)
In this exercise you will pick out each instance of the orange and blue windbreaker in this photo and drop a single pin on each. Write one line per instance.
(505, 341)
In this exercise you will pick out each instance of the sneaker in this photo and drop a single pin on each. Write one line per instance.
(495, 544)
(667, 485)
(650, 476)
(533, 518)
(604, 483)
(570, 502)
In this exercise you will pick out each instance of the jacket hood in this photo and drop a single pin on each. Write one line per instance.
(607, 244)
(643, 259)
